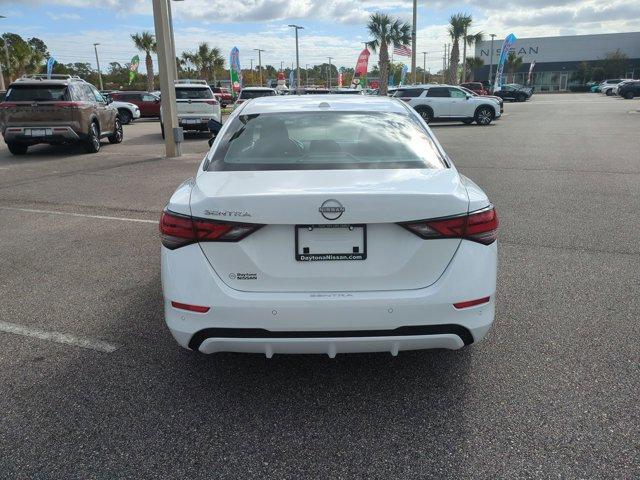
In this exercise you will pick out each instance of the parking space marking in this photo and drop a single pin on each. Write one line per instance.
(57, 337)
(72, 214)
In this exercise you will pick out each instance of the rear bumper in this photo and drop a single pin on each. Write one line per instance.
(53, 134)
(199, 122)
(328, 322)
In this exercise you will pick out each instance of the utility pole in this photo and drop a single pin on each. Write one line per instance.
(463, 77)
(173, 40)
(330, 72)
(95, 47)
(306, 69)
(493, 35)
(298, 27)
(424, 67)
(259, 50)
(413, 41)
(166, 68)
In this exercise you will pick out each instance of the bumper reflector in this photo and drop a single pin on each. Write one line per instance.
(190, 308)
(471, 303)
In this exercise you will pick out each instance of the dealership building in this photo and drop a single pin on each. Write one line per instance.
(556, 58)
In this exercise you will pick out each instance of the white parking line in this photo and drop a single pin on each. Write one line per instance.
(71, 214)
(57, 337)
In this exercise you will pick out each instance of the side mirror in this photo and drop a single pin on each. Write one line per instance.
(210, 141)
(214, 126)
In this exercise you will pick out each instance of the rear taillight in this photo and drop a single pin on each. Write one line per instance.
(8, 105)
(480, 226)
(67, 104)
(211, 102)
(179, 230)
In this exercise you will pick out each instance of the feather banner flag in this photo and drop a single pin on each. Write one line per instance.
(133, 68)
(504, 52)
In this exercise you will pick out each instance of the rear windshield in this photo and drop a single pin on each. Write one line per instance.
(37, 93)
(203, 93)
(325, 141)
(249, 94)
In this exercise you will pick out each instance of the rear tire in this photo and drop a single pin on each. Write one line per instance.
(18, 148)
(92, 143)
(425, 113)
(609, 93)
(484, 115)
(521, 98)
(629, 95)
(125, 116)
(117, 135)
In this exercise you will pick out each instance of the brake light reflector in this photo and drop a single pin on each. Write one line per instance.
(178, 230)
(480, 226)
(211, 102)
(190, 308)
(471, 303)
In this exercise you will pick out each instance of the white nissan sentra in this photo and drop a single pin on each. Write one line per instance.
(328, 224)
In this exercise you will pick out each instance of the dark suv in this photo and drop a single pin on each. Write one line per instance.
(57, 110)
(629, 90)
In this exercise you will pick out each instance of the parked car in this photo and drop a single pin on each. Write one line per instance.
(57, 110)
(148, 103)
(352, 218)
(248, 93)
(196, 106)
(128, 111)
(223, 95)
(493, 97)
(446, 103)
(315, 91)
(347, 91)
(606, 86)
(514, 92)
(615, 89)
(629, 90)
(475, 87)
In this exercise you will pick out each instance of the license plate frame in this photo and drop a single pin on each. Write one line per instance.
(190, 121)
(331, 256)
(39, 132)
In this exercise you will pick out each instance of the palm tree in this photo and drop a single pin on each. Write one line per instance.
(470, 40)
(206, 61)
(473, 64)
(146, 42)
(386, 31)
(458, 26)
(513, 63)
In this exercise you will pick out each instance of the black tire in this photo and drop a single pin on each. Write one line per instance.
(484, 115)
(609, 92)
(162, 130)
(18, 148)
(521, 98)
(426, 114)
(468, 121)
(125, 116)
(629, 95)
(117, 135)
(92, 143)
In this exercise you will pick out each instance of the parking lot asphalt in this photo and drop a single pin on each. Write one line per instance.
(552, 392)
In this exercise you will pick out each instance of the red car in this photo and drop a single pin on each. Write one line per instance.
(148, 103)
(223, 95)
(475, 87)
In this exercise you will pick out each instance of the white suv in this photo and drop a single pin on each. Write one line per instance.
(446, 103)
(196, 105)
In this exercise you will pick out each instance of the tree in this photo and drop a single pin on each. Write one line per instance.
(597, 74)
(470, 40)
(146, 42)
(386, 32)
(582, 74)
(513, 63)
(615, 64)
(473, 64)
(206, 60)
(459, 23)
(25, 56)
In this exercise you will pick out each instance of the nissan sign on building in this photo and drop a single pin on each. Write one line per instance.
(556, 58)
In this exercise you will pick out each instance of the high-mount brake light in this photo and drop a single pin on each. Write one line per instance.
(178, 230)
(480, 226)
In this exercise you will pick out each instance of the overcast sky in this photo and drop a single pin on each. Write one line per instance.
(333, 28)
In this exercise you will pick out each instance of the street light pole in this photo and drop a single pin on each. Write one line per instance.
(95, 47)
(413, 41)
(173, 39)
(306, 69)
(330, 72)
(297, 27)
(493, 35)
(424, 67)
(259, 50)
(166, 70)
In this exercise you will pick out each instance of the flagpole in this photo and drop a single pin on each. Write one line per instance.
(413, 41)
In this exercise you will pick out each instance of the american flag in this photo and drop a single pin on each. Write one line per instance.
(402, 50)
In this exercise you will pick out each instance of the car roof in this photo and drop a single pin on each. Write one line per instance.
(323, 103)
(191, 85)
(262, 89)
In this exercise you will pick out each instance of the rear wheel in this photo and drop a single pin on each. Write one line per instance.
(484, 115)
(125, 116)
(629, 95)
(117, 135)
(18, 148)
(425, 113)
(609, 92)
(92, 143)
(521, 98)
